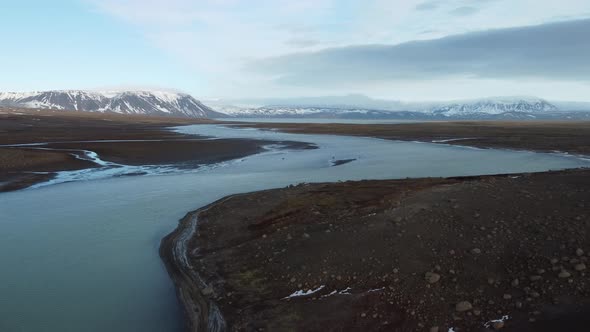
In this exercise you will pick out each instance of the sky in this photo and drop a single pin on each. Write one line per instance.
(412, 50)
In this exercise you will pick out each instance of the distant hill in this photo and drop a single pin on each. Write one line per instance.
(125, 102)
(495, 106)
(359, 107)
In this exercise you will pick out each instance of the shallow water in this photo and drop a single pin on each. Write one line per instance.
(83, 256)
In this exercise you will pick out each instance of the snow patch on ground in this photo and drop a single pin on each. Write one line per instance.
(345, 291)
(499, 320)
(300, 293)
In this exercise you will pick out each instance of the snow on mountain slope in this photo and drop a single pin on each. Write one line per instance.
(495, 107)
(127, 102)
(490, 108)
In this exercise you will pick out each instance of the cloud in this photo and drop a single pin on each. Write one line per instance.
(464, 11)
(557, 51)
(215, 40)
(302, 42)
(428, 5)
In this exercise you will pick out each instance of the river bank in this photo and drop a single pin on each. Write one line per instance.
(542, 136)
(396, 255)
(38, 144)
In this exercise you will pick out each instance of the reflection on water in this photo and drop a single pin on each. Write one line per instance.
(83, 256)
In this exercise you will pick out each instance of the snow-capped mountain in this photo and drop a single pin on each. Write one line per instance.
(489, 108)
(313, 112)
(126, 102)
(499, 106)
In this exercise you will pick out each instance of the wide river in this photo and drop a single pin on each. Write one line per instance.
(83, 255)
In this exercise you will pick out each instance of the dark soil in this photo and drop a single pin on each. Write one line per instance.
(408, 251)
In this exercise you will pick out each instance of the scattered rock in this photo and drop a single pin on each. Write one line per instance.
(498, 325)
(476, 251)
(463, 306)
(564, 274)
(507, 296)
(579, 252)
(207, 291)
(580, 267)
(515, 283)
(535, 278)
(434, 329)
(432, 277)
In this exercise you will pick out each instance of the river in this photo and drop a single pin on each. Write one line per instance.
(83, 255)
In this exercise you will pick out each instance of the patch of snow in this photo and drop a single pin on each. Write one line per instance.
(331, 293)
(342, 292)
(300, 293)
(502, 319)
(375, 290)
(130, 102)
(345, 291)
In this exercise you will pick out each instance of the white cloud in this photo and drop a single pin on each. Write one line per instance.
(215, 39)
(552, 50)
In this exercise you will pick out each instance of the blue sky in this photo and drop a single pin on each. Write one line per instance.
(396, 49)
(68, 44)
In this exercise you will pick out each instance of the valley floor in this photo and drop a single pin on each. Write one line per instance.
(387, 255)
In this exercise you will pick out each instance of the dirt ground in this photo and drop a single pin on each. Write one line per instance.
(402, 255)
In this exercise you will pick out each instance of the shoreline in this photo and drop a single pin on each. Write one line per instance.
(200, 311)
(116, 140)
(537, 136)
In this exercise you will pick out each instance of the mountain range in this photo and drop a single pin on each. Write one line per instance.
(358, 106)
(349, 106)
(127, 102)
